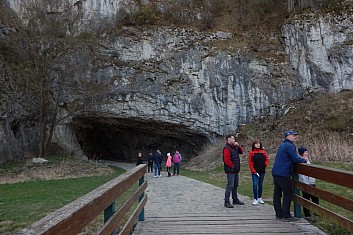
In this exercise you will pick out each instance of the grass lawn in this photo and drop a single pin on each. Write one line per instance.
(217, 177)
(21, 204)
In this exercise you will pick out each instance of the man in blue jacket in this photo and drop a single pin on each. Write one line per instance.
(282, 169)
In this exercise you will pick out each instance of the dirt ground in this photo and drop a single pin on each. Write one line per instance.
(72, 168)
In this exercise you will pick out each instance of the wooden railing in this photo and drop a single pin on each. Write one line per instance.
(72, 218)
(339, 177)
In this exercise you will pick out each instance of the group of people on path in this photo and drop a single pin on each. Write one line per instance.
(154, 163)
(258, 161)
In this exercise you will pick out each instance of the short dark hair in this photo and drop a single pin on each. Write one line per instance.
(229, 136)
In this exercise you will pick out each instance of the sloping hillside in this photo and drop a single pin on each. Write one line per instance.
(324, 121)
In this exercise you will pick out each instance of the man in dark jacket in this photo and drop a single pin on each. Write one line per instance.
(231, 162)
(282, 169)
(150, 163)
(157, 159)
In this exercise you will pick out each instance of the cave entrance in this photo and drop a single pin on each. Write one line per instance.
(121, 139)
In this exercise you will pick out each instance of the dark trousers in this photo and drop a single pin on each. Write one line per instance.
(232, 187)
(150, 167)
(176, 168)
(282, 187)
(312, 198)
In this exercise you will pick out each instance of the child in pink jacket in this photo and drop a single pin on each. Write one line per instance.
(168, 164)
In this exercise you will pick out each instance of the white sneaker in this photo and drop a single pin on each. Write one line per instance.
(155, 176)
(159, 176)
(255, 202)
(260, 201)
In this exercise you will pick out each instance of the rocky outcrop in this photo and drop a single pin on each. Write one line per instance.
(320, 49)
(168, 88)
(178, 91)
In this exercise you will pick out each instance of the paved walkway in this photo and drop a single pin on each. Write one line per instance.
(180, 205)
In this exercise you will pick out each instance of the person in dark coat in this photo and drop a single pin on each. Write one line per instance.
(231, 161)
(157, 160)
(150, 163)
(139, 159)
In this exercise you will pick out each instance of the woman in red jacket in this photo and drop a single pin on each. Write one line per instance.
(258, 161)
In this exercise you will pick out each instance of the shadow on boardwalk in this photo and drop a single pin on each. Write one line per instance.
(180, 205)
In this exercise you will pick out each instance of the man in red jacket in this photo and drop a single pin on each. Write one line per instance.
(231, 161)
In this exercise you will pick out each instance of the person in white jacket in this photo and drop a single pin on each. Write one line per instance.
(304, 152)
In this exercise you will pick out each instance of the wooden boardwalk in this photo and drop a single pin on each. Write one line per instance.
(180, 205)
(220, 224)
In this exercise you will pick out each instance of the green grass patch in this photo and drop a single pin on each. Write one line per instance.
(24, 203)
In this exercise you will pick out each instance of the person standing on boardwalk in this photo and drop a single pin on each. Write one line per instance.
(258, 161)
(139, 159)
(176, 160)
(231, 161)
(282, 169)
(304, 153)
(157, 159)
(168, 164)
(150, 163)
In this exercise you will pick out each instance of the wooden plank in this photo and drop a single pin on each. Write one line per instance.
(72, 218)
(340, 177)
(221, 228)
(325, 195)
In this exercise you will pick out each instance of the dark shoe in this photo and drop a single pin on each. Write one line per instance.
(237, 202)
(310, 219)
(289, 219)
(277, 217)
(228, 205)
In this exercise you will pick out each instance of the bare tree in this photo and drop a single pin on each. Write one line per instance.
(47, 39)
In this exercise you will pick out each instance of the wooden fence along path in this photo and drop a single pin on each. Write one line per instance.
(338, 177)
(72, 218)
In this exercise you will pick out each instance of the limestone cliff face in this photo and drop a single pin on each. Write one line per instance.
(168, 88)
(320, 49)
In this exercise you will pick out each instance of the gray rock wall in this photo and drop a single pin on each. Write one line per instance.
(320, 49)
(172, 78)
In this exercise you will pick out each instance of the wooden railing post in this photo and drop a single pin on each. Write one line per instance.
(108, 212)
(297, 207)
(142, 214)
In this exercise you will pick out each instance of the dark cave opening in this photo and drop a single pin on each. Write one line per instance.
(121, 139)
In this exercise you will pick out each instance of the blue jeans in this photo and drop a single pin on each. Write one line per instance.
(257, 184)
(157, 169)
(232, 187)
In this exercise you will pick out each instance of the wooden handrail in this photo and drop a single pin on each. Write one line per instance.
(335, 176)
(72, 218)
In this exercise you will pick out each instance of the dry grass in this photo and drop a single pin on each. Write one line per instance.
(55, 168)
(210, 157)
(330, 147)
